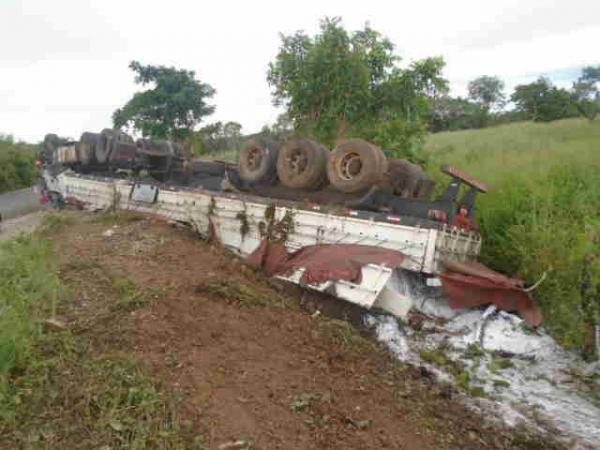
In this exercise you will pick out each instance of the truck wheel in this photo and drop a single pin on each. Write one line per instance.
(86, 145)
(405, 177)
(301, 164)
(84, 153)
(160, 167)
(100, 150)
(355, 166)
(258, 161)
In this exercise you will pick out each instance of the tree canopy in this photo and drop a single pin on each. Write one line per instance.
(586, 92)
(488, 92)
(218, 136)
(170, 108)
(17, 168)
(341, 83)
(542, 101)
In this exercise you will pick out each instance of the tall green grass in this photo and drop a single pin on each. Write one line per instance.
(28, 291)
(543, 214)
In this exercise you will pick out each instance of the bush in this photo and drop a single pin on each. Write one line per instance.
(542, 215)
(17, 164)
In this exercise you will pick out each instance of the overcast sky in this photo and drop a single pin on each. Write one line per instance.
(63, 64)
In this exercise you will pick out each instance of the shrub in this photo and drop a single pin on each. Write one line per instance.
(542, 215)
(17, 168)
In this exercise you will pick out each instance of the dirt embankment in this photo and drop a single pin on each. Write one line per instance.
(248, 364)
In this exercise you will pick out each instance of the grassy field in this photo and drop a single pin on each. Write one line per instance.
(543, 214)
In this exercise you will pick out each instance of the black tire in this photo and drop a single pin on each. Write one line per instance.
(107, 142)
(355, 166)
(258, 161)
(84, 153)
(301, 164)
(117, 135)
(101, 149)
(405, 177)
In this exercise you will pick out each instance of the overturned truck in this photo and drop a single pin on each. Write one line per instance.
(348, 222)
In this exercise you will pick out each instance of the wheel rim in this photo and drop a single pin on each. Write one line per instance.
(350, 166)
(297, 161)
(255, 156)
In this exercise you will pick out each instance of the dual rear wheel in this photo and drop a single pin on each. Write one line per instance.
(354, 166)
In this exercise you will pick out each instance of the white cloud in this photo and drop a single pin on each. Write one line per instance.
(63, 64)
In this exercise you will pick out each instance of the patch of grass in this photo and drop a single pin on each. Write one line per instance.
(80, 265)
(345, 335)
(303, 401)
(474, 351)
(80, 388)
(54, 222)
(500, 383)
(314, 404)
(234, 291)
(438, 357)
(542, 214)
(498, 363)
(116, 217)
(130, 297)
(463, 380)
(101, 401)
(435, 356)
(523, 438)
(588, 385)
(29, 291)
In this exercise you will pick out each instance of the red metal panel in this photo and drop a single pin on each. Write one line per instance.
(326, 262)
(473, 284)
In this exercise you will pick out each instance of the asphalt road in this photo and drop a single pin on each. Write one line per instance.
(18, 203)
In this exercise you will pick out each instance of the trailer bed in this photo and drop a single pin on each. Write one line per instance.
(240, 222)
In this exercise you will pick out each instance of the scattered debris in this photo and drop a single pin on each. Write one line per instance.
(236, 445)
(54, 324)
(524, 376)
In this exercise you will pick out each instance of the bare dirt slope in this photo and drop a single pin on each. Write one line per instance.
(247, 363)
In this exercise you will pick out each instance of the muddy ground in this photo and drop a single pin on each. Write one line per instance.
(247, 362)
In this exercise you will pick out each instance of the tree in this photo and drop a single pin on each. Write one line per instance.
(586, 92)
(339, 83)
(17, 168)
(541, 101)
(219, 136)
(278, 131)
(456, 113)
(171, 108)
(488, 92)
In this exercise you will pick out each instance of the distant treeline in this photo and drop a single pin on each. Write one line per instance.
(540, 101)
(17, 164)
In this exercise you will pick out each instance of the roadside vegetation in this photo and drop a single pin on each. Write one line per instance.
(67, 376)
(93, 356)
(17, 168)
(542, 215)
